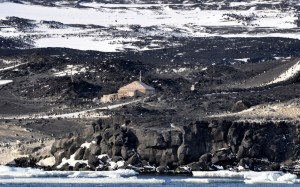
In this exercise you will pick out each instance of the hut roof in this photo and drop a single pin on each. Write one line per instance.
(136, 85)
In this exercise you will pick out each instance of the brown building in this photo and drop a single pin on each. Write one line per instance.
(109, 98)
(136, 88)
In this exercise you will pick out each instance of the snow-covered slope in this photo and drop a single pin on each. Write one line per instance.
(117, 27)
(288, 74)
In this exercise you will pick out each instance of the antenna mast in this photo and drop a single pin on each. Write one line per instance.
(140, 76)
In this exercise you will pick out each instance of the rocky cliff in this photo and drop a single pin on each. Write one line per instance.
(201, 145)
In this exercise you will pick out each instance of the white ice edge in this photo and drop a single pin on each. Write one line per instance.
(209, 180)
(130, 180)
(14, 172)
(250, 177)
(30, 175)
(121, 176)
(266, 182)
(218, 174)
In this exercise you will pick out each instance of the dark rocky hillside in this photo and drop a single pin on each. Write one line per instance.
(165, 130)
(217, 87)
(226, 95)
(201, 145)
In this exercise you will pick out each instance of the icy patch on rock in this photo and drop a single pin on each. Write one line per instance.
(243, 59)
(3, 82)
(70, 70)
(86, 145)
(71, 161)
(14, 66)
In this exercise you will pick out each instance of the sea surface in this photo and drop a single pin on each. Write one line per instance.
(170, 181)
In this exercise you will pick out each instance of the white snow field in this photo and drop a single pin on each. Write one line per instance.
(106, 16)
(190, 22)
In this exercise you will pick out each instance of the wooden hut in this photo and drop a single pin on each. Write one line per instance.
(136, 88)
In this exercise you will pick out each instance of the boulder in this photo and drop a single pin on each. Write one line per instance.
(205, 162)
(195, 166)
(78, 155)
(59, 155)
(240, 106)
(93, 162)
(162, 169)
(97, 137)
(223, 157)
(25, 162)
(80, 167)
(255, 151)
(134, 161)
(95, 149)
(72, 149)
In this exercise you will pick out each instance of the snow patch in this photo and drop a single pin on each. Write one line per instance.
(71, 161)
(86, 145)
(70, 70)
(3, 82)
(180, 70)
(14, 66)
(243, 59)
(85, 43)
(290, 73)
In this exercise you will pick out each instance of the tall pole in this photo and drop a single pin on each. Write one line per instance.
(140, 76)
(72, 75)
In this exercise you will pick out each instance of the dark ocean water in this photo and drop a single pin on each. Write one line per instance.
(145, 185)
(170, 181)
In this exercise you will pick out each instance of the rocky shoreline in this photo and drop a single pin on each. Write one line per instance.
(115, 143)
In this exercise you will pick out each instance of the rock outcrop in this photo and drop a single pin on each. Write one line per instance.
(115, 143)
